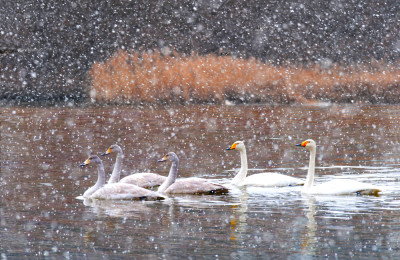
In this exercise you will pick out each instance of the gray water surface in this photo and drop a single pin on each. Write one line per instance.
(41, 148)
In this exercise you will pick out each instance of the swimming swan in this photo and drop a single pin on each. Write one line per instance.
(141, 179)
(334, 187)
(265, 179)
(115, 190)
(187, 185)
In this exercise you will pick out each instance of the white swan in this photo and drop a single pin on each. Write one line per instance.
(334, 187)
(115, 190)
(187, 185)
(141, 179)
(265, 179)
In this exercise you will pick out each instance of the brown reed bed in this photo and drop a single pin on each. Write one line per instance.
(153, 77)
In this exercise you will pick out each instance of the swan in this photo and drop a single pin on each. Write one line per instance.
(141, 179)
(115, 190)
(187, 185)
(265, 179)
(334, 187)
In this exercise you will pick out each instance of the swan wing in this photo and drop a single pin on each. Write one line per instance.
(195, 186)
(344, 187)
(144, 179)
(124, 191)
(271, 179)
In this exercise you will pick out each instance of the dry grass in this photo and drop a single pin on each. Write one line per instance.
(152, 77)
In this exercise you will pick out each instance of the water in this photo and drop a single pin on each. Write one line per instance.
(40, 180)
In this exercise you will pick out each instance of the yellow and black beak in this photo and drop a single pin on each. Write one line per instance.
(303, 144)
(107, 152)
(163, 159)
(233, 147)
(85, 163)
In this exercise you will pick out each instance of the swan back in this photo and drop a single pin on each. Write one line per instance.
(344, 187)
(144, 179)
(196, 186)
(124, 191)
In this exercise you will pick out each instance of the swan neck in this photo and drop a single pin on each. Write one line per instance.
(116, 173)
(101, 180)
(241, 175)
(173, 172)
(311, 170)
(101, 176)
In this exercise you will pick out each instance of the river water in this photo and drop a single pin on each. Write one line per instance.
(41, 148)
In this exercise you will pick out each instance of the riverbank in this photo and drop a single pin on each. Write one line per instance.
(169, 77)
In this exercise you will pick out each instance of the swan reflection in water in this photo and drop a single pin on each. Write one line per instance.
(119, 208)
(308, 243)
(238, 222)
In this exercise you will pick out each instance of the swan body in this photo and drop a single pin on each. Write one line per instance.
(124, 191)
(115, 190)
(343, 187)
(272, 179)
(143, 179)
(91, 190)
(334, 187)
(187, 185)
(265, 179)
(195, 186)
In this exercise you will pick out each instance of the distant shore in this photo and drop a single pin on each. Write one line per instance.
(164, 78)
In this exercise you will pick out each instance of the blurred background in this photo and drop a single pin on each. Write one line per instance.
(47, 48)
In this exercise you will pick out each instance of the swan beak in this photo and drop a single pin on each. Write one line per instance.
(85, 163)
(107, 152)
(303, 144)
(233, 147)
(163, 159)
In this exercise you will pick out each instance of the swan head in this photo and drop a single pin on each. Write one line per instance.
(169, 156)
(308, 144)
(238, 145)
(112, 148)
(92, 159)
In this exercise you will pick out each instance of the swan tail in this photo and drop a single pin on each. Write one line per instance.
(370, 192)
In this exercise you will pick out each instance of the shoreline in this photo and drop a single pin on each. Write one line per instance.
(169, 78)
(87, 104)
(155, 77)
